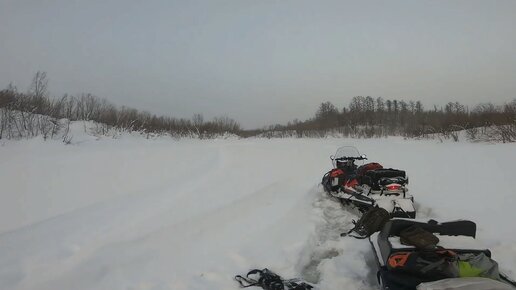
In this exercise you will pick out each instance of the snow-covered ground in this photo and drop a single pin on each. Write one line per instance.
(131, 213)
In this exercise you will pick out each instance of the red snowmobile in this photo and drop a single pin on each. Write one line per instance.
(368, 185)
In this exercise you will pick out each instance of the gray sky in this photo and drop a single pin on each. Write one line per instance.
(261, 62)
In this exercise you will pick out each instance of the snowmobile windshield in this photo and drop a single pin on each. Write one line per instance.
(347, 151)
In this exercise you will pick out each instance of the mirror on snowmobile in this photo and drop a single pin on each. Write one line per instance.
(332, 157)
(363, 156)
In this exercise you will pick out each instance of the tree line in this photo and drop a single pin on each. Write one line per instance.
(367, 117)
(34, 112)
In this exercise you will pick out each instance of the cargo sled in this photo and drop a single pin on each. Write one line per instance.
(456, 260)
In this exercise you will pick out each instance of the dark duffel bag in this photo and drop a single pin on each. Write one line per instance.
(368, 167)
(375, 175)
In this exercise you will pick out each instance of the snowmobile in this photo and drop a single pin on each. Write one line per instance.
(368, 185)
(405, 266)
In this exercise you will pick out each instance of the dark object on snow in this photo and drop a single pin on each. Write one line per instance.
(419, 238)
(269, 280)
(402, 267)
(371, 221)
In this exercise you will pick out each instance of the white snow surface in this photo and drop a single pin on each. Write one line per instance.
(131, 213)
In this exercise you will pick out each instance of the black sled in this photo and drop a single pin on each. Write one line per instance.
(457, 237)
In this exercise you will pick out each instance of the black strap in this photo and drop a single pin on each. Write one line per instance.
(267, 280)
(506, 279)
(241, 281)
(270, 281)
(404, 211)
(250, 282)
(296, 284)
(430, 265)
(354, 229)
(354, 236)
(351, 230)
(359, 196)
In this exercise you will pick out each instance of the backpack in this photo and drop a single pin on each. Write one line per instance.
(371, 221)
(428, 265)
(418, 237)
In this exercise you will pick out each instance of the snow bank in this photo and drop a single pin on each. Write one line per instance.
(190, 214)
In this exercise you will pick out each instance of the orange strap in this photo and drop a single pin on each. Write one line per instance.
(398, 259)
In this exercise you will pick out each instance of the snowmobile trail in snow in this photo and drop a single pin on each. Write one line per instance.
(331, 219)
(330, 260)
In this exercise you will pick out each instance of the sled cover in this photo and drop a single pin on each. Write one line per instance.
(474, 283)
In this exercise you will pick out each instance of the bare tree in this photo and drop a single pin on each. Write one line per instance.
(39, 84)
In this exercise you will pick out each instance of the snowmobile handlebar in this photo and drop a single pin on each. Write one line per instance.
(344, 158)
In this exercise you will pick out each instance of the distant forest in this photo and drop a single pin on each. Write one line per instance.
(368, 117)
(34, 113)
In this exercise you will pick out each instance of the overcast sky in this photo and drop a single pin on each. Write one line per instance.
(261, 62)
